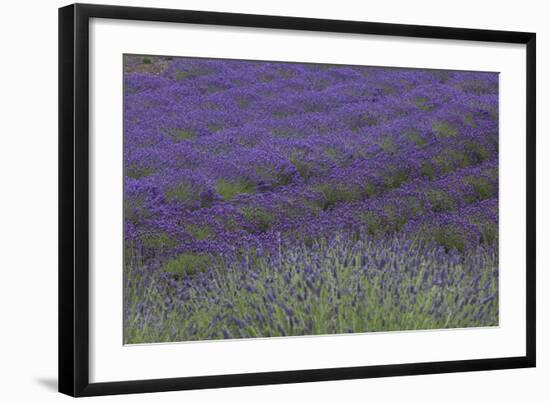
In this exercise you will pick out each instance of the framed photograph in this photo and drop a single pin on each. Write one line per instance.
(249, 199)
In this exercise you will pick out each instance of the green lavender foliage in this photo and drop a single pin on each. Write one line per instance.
(332, 287)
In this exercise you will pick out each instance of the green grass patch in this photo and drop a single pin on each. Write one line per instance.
(483, 188)
(159, 241)
(243, 103)
(370, 190)
(395, 217)
(180, 134)
(478, 151)
(450, 159)
(422, 103)
(440, 201)
(261, 219)
(363, 120)
(395, 179)
(285, 132)
(427, 169)
(180, 75)
(387, 144)
(182, 192)
(229, 189)
(215, 127)
(189, 73)
(200, 232)
(186, 264)
(304, 169)
(265, 78)
(332, 194)
(374, 223)
(449, 238)
(413, 136)
(469, 120)
(489, 230)
(444, 129)
(332, 153)
(134, 208)
(136, 171)
(387, 89)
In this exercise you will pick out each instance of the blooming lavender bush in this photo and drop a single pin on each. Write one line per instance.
(273, 199)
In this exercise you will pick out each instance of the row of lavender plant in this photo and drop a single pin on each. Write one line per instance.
(341, 285)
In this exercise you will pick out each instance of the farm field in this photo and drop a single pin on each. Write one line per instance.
(268, 199)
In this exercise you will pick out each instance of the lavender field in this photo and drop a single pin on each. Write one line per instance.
(279, 199)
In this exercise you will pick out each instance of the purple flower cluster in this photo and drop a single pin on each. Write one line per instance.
(226, 160)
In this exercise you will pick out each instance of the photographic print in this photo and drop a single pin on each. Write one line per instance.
(266, 199)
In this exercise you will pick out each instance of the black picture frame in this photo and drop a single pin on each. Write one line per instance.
(74, 194)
